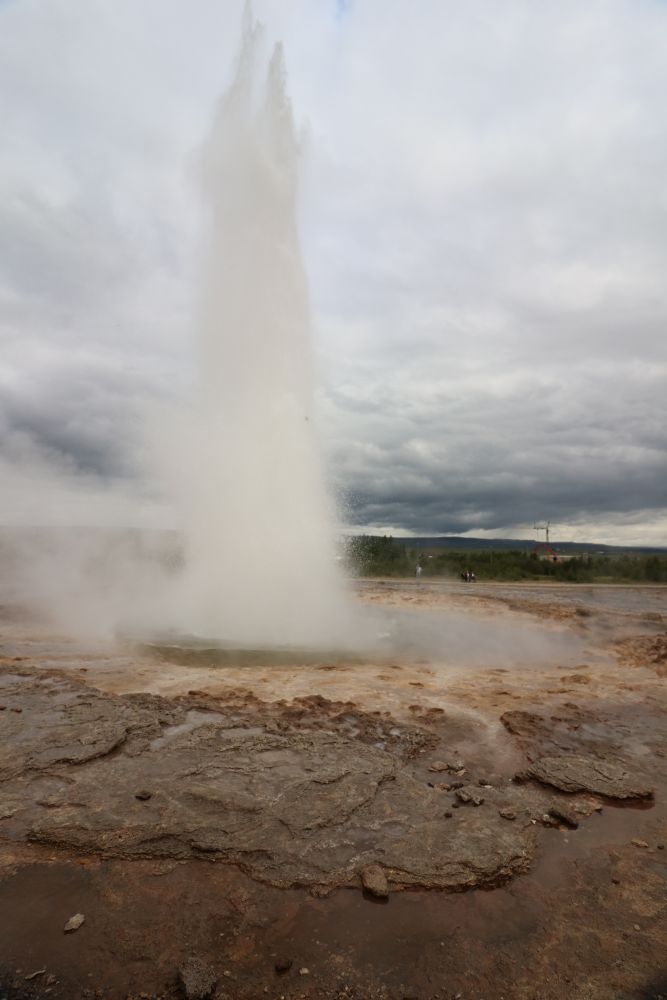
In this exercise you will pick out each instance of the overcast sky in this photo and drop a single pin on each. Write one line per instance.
(484, 222)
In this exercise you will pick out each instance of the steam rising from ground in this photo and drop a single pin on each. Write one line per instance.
(254, 560)
(259, 545)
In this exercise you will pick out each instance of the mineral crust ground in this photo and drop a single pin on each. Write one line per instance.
(476, 811)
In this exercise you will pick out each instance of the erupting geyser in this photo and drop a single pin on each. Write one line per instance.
(260, 553)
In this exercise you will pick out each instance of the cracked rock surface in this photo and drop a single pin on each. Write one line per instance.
(203, 829)
(577, 773)
(68, 725)
(289, 806)
(563, 756)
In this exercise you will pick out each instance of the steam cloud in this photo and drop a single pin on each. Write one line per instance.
(254, 559)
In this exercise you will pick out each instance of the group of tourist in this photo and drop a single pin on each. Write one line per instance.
(467, 575)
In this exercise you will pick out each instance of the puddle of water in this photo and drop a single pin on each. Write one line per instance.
(437, 636)
(447, 637)
(194, 719)
(202, 654)
(477, 924)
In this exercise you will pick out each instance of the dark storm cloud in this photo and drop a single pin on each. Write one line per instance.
(81, 417)
(455, 503)
(568, 451)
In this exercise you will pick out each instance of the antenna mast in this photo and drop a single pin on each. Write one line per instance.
(545, 528)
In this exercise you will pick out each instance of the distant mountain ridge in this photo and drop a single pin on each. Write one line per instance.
(455, 542)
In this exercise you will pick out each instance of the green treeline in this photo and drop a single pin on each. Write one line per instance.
(371, 555)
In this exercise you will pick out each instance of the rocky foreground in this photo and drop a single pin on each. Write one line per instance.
(215, 841)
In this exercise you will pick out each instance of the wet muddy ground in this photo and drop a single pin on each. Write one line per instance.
(494, 773)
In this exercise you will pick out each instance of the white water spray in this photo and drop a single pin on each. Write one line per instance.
(260, 555)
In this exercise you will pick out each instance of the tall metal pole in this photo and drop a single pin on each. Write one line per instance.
(544, 528)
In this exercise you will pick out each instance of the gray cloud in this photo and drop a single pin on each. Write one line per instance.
(83, 416)
(484, 224)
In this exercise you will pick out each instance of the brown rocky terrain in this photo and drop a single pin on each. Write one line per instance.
(460, 819)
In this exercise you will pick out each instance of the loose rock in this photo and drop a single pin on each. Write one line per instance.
(469, 797)
(283, 965)
(197, 979)
(74, 923)
(547, 820)
(638, 843)
(33, 975)
(564, 815)
(320, 891)
(374, 881)
(587, 808)
(507, 813)
(143, 796)
(441, 765)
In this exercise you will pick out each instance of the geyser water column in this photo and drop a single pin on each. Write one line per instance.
(261, 561)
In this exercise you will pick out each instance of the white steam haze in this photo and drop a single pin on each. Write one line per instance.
(259, 550)
(482, 213)
(254, 559)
